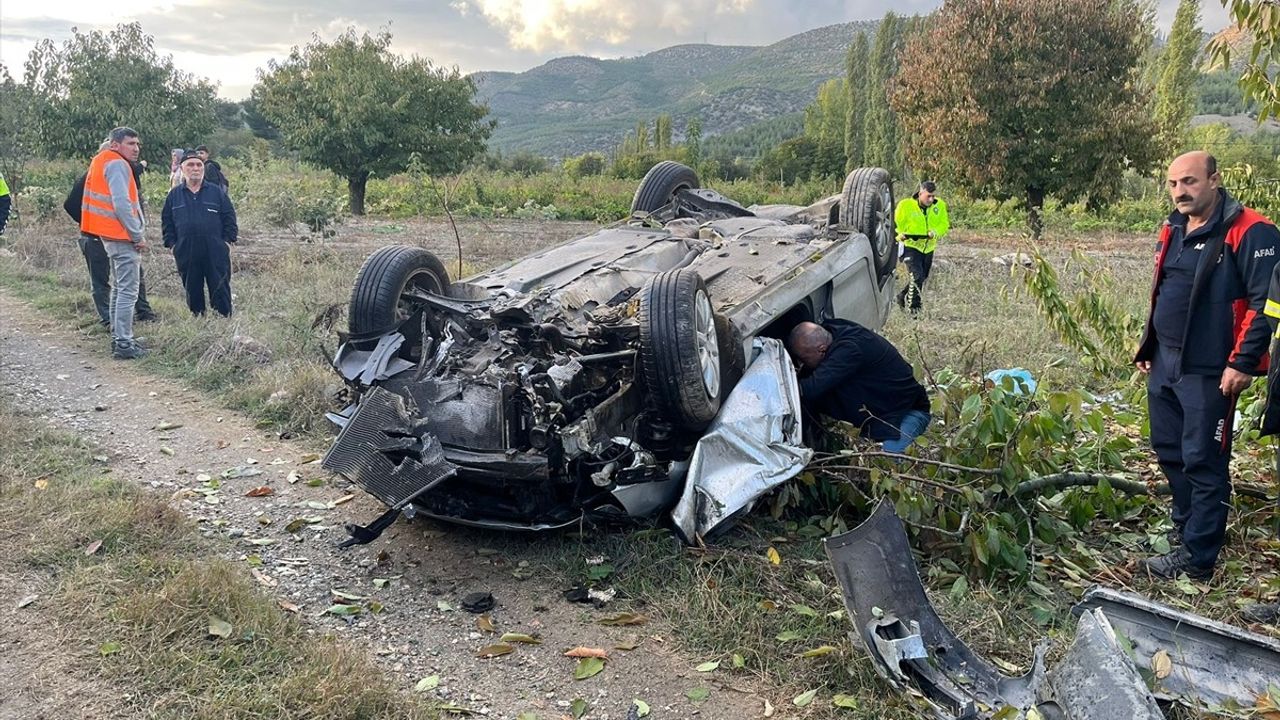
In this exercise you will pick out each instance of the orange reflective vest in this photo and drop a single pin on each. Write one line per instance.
(97, 212)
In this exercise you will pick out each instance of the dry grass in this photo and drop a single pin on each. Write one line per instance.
(140, 606)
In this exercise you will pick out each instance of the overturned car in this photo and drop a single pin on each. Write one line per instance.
(576, 381)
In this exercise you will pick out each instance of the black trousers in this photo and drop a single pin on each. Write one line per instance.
(918, 264)
(200, 273)
(1191, 434)
(95, 256)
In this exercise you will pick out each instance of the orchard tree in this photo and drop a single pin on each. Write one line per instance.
(1025, 105)
(354, 107)
(1261, 20)
(824, 124)
(96, 81)
(1178, 75)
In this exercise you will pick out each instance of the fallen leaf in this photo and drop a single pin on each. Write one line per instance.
(164, 425)
(262, 491)
(768, 708)
(845, 701)
(578, 708)
(698, 694)
(240, 472)
(627, 645)
(430, 682)
(219, 627)
(264, 579)
(381, 582)
(25, 601)
(288, 606)
(708, 666)
(588, 667)
(293, 477)
(483, 623)
(739, 662)
(492, 651)
(625, 619)
(295, 525)
(804, 698)
(109, 648)
(262, 541)
(376, 607)
(819, 651)
(308, 458)
(223, 444)
(444, 606)
(453, 709)
(804, 610)
(41, 483)
(315, 482)
(519, 638)
(278, 461)
(93, 547)
(642, 707)
(586, 652)
(344, 499)
(346, 595)
(773, 556)
(788, 636)
(166, 451)
(768, 605)
(1161, 664)
(343, 609)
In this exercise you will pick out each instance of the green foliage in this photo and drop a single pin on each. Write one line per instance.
(585, 165)
(824, 125)
(1253, 188)
(1174, 91)
(1218, 93)
(357, 129)
(1260, 20)
(856, 118)
(1023, 134)
(40, 203)
(96, 81)
(881, 133)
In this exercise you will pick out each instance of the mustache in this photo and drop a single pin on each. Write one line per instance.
(1182, 199)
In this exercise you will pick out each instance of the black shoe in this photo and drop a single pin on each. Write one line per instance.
(146, 317)
(127, 351)
(1174, 536)
(1174, 563)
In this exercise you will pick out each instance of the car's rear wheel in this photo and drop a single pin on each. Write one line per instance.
(376, 303)
(866, 205)
(661, 184)
(680, 349)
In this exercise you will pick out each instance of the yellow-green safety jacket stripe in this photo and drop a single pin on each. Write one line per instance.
(4, 187)
(914, 224)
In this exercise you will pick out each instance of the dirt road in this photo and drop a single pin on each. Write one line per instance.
(206, 458)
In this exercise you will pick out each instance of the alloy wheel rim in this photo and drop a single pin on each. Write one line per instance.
(708, 345)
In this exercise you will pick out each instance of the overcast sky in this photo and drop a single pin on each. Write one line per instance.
(227, 40)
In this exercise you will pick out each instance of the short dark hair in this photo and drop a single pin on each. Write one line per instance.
(200, 148)
(929, 186)
(120, 133)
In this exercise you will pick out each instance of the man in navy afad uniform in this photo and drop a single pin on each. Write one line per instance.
(1205, 340)
(199, 224)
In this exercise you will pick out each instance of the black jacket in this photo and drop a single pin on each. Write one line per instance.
(213, 174)
(198, 226)
(1225, 325)
(863, 380)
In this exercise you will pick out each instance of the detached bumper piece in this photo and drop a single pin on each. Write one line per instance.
(912, 648)
(383, 450)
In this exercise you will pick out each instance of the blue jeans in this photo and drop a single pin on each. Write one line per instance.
(912, 426)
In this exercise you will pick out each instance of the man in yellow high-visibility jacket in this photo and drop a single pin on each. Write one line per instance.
(921, 221)
(5, 202)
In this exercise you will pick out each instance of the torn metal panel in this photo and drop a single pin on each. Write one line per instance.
(369, 366)
(1212, 663)
(382, 450)
(752, 446)
(1096, 680)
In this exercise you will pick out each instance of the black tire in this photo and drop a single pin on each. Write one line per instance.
(375, 298)
(866, 205)
(660, 185)
(679, 348)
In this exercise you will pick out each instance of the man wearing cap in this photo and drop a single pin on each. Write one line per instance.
(212, 170)
(111, 211)
(199, 223)
(921, 221)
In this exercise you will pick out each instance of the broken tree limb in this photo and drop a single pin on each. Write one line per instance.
(1062, 481)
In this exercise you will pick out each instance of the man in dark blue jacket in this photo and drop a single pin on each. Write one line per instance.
(1205, 340)
(199, 224)
(852, 374)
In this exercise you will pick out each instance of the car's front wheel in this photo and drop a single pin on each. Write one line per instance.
(376, 303)
(680, 348)
(660, 185)
(866, 205)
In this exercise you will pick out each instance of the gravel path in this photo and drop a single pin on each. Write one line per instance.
(206, 458)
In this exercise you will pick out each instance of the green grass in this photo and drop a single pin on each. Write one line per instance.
(139, 608)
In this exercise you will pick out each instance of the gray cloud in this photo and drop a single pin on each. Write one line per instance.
(226, 40)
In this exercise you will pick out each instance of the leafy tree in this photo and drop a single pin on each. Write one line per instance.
(354, 107)
(1026, 105)
(856, 73)
(881, 128)
(824, 124)
(96, 81)
(662, 132)
(693, 142)
(17, 142)
(1175, 89)
(790, 161)
(1259, 19)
